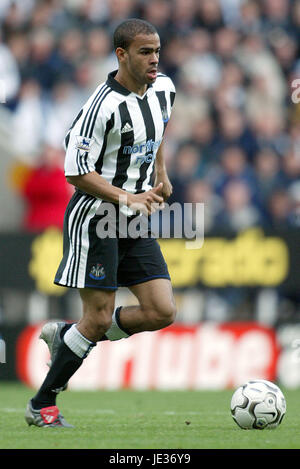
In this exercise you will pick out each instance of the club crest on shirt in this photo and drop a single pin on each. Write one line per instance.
(97, 272)
(83, 144)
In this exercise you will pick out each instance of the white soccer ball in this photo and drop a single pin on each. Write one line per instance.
(258, 404)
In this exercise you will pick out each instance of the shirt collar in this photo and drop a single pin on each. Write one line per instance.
(116, 86)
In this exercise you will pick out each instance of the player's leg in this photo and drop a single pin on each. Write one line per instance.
(144, 271)
(156, 310)
(75, 345)
(76, 342)
(98, 307)
(80, 268)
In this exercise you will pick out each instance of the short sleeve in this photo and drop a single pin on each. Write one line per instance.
(84, 141)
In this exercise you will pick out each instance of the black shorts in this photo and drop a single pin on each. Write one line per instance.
(104, 263)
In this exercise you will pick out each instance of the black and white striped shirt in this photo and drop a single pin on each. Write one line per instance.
(117, 133)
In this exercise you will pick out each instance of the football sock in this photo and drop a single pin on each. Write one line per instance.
(70, 355)
(76, 342)
(116, 330)
(65, 329)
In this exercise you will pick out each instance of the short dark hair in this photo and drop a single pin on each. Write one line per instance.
(128, 29)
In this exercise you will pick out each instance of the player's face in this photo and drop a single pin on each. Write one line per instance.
(142, 58)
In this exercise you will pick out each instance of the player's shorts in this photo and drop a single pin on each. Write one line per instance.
(90, 261)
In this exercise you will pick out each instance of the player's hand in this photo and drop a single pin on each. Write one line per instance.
(147, 202)
(167, 188)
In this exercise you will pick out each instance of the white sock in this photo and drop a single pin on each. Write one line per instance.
(76, 342)
(115, 332)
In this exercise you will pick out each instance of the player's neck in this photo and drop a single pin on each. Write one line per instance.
(130, 84)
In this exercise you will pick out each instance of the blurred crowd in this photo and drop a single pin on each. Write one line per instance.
(234, 138)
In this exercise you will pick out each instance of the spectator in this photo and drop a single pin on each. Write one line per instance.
(19, 46)
(234, 131)
(285, 49)
(201, 191)
(232, 86)
(231, 10)
(276, 15)
(28, 122)
(69, 52)
(173, 55)
(185, 170)
(183, 16)
(268, 127)
(65, 103)
(210, 15)
(232, 61)
(119, 11)
(14, 14)
(294, 193)
(102, 61)
(201, 69)
(250, 21)
(225, 43)
(267, 173)
(295, 18)
(43, 65)
(234, 128)
(291, 167)
(257, 60)
(203, 134)
(279, 209)
(46, 193)
(158, 12)
(9, 74)
(234, 167)
(238, 213)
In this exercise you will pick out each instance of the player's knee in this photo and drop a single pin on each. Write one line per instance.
(169, 314)
(103, 320)
(164, 315)
(99, 318)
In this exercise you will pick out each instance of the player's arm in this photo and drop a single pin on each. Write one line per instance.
(82, 153)
(161, 175)
(94, 184)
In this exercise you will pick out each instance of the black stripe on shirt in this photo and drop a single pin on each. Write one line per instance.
(150, 137)
(109, 125)
(91, 131)
(172, 97)
(84, 128)
(90, 125)
(127, 139)
(89, 113)
(161, 95)
(67, 139)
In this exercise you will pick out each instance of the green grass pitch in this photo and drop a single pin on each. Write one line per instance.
(142, 420)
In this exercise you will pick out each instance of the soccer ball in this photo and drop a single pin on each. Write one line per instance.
(258, 404)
